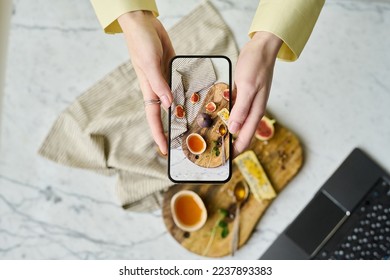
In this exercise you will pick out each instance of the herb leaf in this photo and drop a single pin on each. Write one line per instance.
(225, 232)
(222, 224)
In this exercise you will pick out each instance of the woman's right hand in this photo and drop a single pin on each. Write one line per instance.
(151, 51)
(253, 79)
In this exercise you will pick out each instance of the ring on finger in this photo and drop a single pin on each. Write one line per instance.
(151, 102)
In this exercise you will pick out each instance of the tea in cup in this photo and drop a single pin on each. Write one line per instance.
(196, 144)
(188, 210)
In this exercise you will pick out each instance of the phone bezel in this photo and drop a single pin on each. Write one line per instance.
(169, 123)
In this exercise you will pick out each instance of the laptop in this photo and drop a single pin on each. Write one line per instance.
(348, 218)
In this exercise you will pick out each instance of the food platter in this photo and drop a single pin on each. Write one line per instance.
(281, 158)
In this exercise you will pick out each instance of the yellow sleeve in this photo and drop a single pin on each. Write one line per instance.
(108, 11)
(291, 20)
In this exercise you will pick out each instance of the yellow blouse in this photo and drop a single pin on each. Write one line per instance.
(290, 20)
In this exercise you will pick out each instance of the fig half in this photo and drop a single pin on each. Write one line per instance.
(265, 129)
(226, 94)
(195, 98)
(179, 111)
(211, 107)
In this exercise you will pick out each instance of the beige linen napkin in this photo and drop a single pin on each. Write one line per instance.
(105, 129)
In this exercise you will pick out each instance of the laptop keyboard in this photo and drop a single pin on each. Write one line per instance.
(365, 235)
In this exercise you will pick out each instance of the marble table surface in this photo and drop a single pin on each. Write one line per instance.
(335, 97)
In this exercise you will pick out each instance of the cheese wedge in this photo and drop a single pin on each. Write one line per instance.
(255, 176)
(224, 115)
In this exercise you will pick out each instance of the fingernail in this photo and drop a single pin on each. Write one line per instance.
(234, 127)
(161, 152)
(165, 101)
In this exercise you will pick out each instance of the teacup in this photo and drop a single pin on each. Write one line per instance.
(196, 144)
(188, 210)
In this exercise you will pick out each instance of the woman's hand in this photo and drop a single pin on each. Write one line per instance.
(150, 50)
(253, 79)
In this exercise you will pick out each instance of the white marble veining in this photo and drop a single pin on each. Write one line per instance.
(335, 97)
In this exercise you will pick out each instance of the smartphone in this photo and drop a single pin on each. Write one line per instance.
(199, 143)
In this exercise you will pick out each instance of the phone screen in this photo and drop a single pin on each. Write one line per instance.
(199, 140)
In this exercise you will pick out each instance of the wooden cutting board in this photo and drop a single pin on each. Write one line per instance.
(210, 134)
(281, 158)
